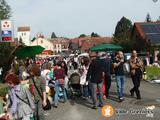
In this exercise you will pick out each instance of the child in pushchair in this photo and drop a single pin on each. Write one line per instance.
(74, 87)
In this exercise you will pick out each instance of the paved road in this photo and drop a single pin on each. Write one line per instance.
(80, 109)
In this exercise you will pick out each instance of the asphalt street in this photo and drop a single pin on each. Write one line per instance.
(148, 108)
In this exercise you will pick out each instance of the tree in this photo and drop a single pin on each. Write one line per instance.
(21, 41)
(94, 34)
(82, 36)
(53, 35)
(148, 18)
(122, 32)
(5, 48)
(33, 39)
(5, 10)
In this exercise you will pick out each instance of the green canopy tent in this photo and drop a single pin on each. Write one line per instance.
(105, 47)
(28, 51)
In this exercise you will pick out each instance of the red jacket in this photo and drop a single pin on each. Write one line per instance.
(59, 73)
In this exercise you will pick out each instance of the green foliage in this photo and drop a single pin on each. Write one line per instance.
(5, 50)
(82, 36)
(3, 89)
(5, 10)
(148, 18)
(53, 35)
(122, 33)
(33, 39)
(152, 72)
(94, 34)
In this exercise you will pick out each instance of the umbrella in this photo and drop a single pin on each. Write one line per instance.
(28, 51)
(104, 47)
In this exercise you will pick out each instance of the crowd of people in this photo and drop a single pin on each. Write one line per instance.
(32, 83)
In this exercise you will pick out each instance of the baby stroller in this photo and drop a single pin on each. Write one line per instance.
(74, 87)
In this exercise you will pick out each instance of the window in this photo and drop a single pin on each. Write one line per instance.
(63, 46)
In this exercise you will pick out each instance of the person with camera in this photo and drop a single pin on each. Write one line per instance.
(119, 73)
(136, 65)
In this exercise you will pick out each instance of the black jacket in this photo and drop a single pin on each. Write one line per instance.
(96, 68)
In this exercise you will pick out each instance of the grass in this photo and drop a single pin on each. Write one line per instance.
(152, 73)
(3, 89)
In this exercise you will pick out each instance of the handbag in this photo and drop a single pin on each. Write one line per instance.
(48, 104)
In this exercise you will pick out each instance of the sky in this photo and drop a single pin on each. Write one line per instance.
(70, 18)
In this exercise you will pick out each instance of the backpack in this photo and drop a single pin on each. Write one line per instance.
(126, 68)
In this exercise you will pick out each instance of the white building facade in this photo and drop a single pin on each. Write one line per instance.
(43, 42)
(60, 44)
(24, 35)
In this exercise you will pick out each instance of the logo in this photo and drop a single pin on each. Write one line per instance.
(6, 24)
(150, 112)
(107, 111)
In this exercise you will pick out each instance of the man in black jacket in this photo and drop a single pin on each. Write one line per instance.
(107, 64)
(94, 76)
(136, 65)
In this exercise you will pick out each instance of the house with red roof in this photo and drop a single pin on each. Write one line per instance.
(84, 43)
(146, 34)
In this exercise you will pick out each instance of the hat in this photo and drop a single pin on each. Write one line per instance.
(93, 54)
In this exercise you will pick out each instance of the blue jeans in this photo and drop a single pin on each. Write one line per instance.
(85, 90)
(94, 87)
(120, 85)
(57, 87)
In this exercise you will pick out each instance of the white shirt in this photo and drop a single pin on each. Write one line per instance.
(1, 69)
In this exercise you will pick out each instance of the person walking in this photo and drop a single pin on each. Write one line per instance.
(107, 63)
(83, 82)
(59, 74)
(94, 76)
(136, 65)
(19, 103)
(119, 73)
(38, 89)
